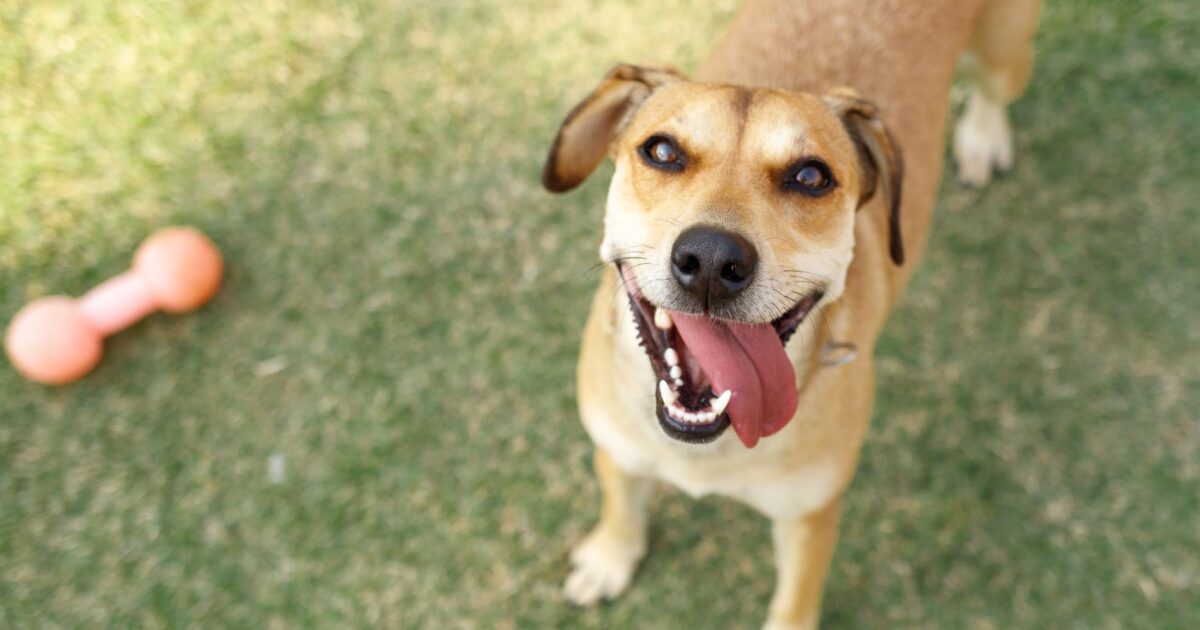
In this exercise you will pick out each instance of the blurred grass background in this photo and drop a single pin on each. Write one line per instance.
(403, 304)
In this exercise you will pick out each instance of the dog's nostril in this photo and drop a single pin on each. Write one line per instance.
(689, 264)
(712, 264)
(732, 273)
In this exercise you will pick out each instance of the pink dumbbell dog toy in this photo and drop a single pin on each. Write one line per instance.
(56, 340)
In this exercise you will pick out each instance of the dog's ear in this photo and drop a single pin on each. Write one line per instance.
(879, 158)
(585, 135)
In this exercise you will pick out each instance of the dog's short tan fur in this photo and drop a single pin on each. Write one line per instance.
(771, 92)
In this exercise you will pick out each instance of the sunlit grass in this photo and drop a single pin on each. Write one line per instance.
(403, 303)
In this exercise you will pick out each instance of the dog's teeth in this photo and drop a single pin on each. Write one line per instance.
(691, 417)
(722, 401)
(670, 356)
(676, 372)
(678, 382)
(662, 319)
(668, 396)
(686, 416)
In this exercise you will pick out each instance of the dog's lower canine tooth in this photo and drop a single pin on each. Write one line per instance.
(662, 319)
(722, 401)
(668, 396)
(670, 356)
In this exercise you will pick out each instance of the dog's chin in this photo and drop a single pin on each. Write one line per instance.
(687, 407)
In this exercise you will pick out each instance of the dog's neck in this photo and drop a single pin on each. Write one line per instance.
(807, 345)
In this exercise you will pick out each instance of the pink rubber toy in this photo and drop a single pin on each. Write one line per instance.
(56, 340)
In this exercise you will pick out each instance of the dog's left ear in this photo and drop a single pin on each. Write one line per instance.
(879, 158)
(586, 134)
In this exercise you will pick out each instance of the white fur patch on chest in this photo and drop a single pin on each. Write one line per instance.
(789, 495)
(795, 494)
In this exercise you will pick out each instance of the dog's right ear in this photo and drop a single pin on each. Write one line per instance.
(591, 127)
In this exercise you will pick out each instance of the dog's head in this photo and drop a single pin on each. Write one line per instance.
(730, 217)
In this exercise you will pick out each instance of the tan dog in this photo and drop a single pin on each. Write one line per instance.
(742, 205)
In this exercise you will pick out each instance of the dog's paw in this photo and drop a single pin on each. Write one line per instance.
(601, 568)
(982, 141)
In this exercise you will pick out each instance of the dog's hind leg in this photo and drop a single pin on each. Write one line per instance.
(803, 551)
(999, 58)
(603, 563)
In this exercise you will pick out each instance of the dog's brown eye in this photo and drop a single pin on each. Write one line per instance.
(664, 152)
(811, 177)
(660, 152)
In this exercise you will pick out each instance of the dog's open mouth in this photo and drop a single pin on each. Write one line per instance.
(712, 372)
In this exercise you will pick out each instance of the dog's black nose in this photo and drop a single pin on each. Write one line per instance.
(712, 264)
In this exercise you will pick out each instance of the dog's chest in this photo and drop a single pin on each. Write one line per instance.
(789, 494)
(769, 488)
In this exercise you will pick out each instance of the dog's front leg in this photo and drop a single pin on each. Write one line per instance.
(604, 562)
(803, 551)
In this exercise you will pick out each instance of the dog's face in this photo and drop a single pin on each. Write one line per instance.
(730, 216)
(774, 170)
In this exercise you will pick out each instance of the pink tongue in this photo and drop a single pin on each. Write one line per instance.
(749, 360)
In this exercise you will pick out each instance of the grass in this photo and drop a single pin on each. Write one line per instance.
(403, 305)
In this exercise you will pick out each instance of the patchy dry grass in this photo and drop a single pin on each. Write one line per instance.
(403, 302)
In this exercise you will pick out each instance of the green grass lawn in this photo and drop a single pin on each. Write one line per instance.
(403, 304)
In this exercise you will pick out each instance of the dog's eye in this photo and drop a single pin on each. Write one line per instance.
(811, 177)
(660, 152)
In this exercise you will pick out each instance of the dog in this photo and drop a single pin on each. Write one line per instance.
(762, 220)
